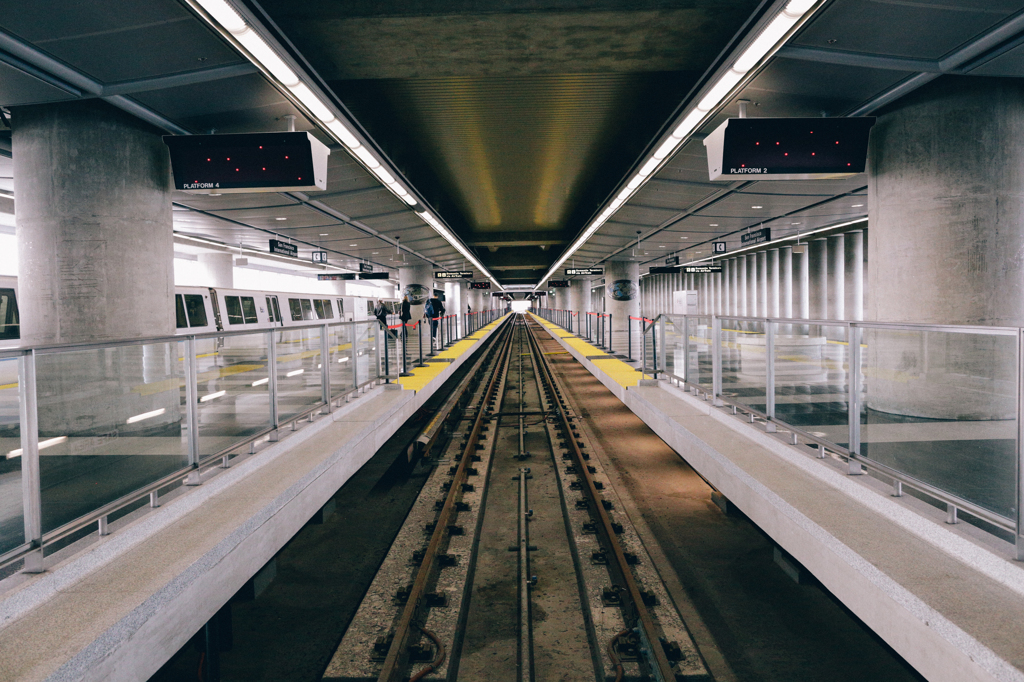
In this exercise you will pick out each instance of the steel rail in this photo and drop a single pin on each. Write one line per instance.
(397, 657)
(643, 619)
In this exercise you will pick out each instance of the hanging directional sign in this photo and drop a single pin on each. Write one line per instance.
(365, 267)
(701, 269)
(656, 270)
(718, 247)
(283, 248)
(497, 294)
(672, 260)
(457, 274)
(572, 272)
(558, 283)
(479, 285)
(757, 236)
(373, 275)
(319, 256)
(334, 277)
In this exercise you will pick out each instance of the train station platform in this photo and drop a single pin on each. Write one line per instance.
(121, 607)
(948, 598)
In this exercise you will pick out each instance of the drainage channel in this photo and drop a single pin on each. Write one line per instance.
(515, 563)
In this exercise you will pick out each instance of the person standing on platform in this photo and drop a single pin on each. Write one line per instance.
(405, 316)
(434, 310)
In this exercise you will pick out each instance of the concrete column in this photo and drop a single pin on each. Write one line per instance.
(726, 287)
(773, 283)
(220, 269)
(417, 282)
(716, 281)
(751, 272)
(579, 295)
(837, 277)
(818, 260)
(92, 202)
(707, 302)
(854, 268)
(762, 283)
(620, 298)
(802, 283)
(740, 286)
(786, 281)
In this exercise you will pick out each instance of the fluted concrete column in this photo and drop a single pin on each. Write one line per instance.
(220, 269)
(417, 282)
(818, 261)
(716, 286)
(773, 283)
(752, 293)
(726, 287)
(741, 286)
(802, 284)
(837, 277)
(92, 200)
(854, 267)
(786, 281)
(762, 283)
(621, 297)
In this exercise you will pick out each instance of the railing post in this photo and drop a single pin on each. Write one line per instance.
(1020, 446)
(419, 327)
(629, 337)
(192, 403)
(611, 333)
(325, 367)
(716, 360)
(355, 356)
(662, 364)
(387, 365)
(31, 485)
(769, 369)
(853, 338)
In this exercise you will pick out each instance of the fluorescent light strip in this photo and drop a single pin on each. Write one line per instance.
(260, 382)
(212, 396)
(146, 415)
(798, 236)
(762, 47)
(295, 372)
(42, 446)
(264, 55)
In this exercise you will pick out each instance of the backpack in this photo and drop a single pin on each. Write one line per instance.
(429, 308)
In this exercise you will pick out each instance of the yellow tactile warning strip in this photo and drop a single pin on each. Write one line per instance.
(421, 376)
(617, 370)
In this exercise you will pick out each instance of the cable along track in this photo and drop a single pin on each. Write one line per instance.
(530, 572)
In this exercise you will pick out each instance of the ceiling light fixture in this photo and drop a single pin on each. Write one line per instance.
(280, 219)
(223, 13)
(759, 50)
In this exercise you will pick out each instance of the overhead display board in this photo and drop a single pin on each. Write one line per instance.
(666, 270)
(558, 283)
(283, 248)
(373, 275)
(248, 162)
(336, 276)
(458, 274)
(479, 285)
(788, 148)
(575, 272)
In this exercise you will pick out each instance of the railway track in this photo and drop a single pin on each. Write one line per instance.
(516, 563)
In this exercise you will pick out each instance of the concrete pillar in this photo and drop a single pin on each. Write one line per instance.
(92, 194)
(741, 286)
(417, 282)
(786, 281)
(579, 295)
(621, 299)
(818, 261)
(716, 280)
(802, 283)
(854, 269)
(762, 283)
(773, 283)
(751, 272)
(726, 287)
(836, 277)
(220, 269)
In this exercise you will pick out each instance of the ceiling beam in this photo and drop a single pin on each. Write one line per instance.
(180, 79)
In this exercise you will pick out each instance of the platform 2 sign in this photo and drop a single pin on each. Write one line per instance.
(458, 274)
(319, 256)
(584, 272)
(701, 269)
(365, 267)
(283, 248)
(336, 276)
(558, 283)
(757, 236)
(479, 285)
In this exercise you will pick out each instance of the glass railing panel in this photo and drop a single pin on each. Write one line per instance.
(233, 391)
(697, 350)
(111, 421)
(743, 363)
(675, 344)
(12, 507)
(341, 357)
(299, 384)
(811, 379)
(366, 349)
(941, 408)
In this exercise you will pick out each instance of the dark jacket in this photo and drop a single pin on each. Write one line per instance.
(434, 308)
(406, 315)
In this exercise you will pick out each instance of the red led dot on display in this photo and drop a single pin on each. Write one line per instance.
(786, 154)
(849, 164)
(812, 153)
(757, 143)
(229, 158)
(287, 157)
(261, 146)
(837, 141)
(264, 168)
(209, 159)
(743, 165)
(236, 170)
(301, 178)
(778, 143)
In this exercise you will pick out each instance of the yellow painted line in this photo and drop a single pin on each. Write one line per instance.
(557, 352)
(14, 385)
